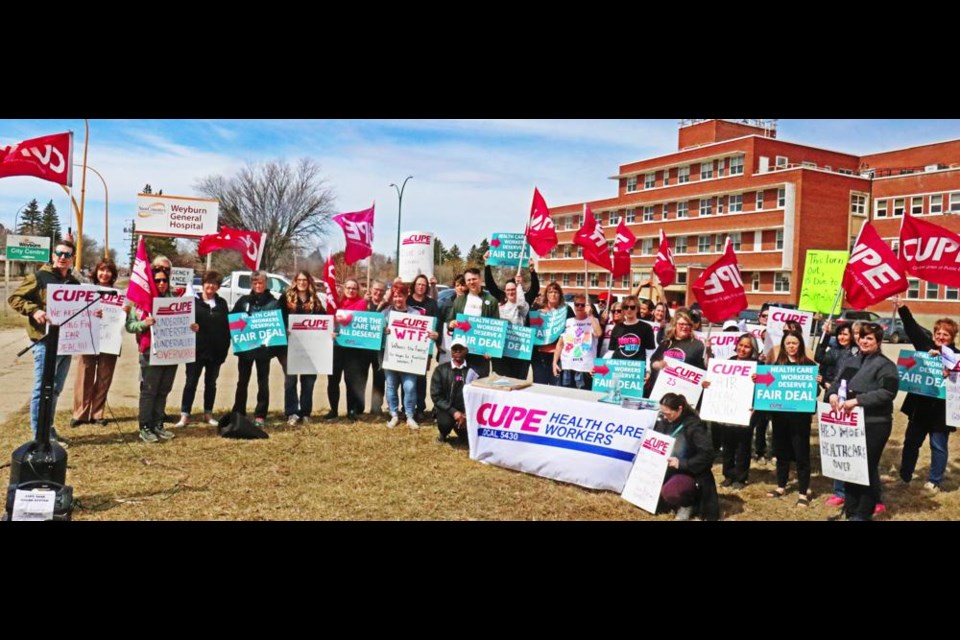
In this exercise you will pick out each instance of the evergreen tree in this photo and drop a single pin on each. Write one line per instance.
(454, 253)
(30, 219)
(49, 226)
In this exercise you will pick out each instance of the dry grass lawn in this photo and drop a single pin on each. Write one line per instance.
(363, 471)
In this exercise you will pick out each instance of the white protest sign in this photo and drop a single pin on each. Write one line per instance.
(646, 477)
(310, 350)
(408, 342)
(759, 331)
(112, 323)
(33, 505)
(953, 399)
(679, 377)
(172, 340)
(778, 317)
(729, 397)
(843, 445)
(578, 345)
(82, 334)
(416, 254)
(180, 277)
(723, 345)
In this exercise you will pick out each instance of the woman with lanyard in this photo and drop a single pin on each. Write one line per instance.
(425, 305)
(926, 415)
(833, 360)
(633, 338)
(678, 343)
(689, 479)
(515, 309)
(542, 359)
(873, 386)
(95, 373)
(791, 429)
(573, 356)
(300, 299)
(395, 379)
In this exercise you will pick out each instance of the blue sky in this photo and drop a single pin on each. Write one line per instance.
(471, 177)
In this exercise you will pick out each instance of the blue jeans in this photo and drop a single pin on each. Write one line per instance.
(409, 381)
(303, 406)
(938, 455)
(59, 378)
(912, 440)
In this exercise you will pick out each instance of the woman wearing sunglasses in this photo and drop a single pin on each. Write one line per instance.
(633, 338)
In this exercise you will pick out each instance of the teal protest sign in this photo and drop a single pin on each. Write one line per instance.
(626, 376)
(786, 388)
(922, 374)
(360, 329)
(507, 249)
(261, 329)
(548, 325)
(484, 336)
(519, 342)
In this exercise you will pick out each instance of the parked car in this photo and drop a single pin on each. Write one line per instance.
(751, 316)
(237, 284)
(853, 315)
(895, 332)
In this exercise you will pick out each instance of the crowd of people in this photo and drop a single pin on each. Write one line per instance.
(853, 372)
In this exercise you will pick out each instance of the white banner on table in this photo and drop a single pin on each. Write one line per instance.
(953, 399)
(778, 317)
(843, 445)
(112, 323)
(408, 342)
(172, 340)
(82, 334)
(729, 397)
(416, 254)
(569, 437)
(310, 345)
(679, 377)
(646, 478)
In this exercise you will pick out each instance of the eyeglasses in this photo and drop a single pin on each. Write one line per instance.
(160, 269)
(579, 305)
(513, 290)
(63, 254)
(159, 280)
(618, 311)
(629, 307)
(763, 315)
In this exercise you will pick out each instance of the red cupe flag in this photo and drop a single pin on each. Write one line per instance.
(48, 158)
(330, 278)
(929, 251)
(873, 272)
(719, 289)
(358, 231)
(594, 243)
(541, 234)
(248, 243)
(664, 267)
(622, 247)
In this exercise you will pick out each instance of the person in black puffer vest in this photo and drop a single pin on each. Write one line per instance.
(259, 299)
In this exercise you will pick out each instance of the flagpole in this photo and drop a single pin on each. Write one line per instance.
(833, 307)
(83, 193)
(523, 247)
(706, 352)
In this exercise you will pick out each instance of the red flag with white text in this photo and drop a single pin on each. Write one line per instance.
(719, 289)
(248, 243)
(929, 251)
(358, 231)
(594, 243)
(141, 290)
(330, 278)
(622, 247)
(665, 267)
(873, 272)
(48, 158)
(541, 234)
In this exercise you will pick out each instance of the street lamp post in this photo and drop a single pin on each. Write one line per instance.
(399, 213)
(16, 217)
(106, 212)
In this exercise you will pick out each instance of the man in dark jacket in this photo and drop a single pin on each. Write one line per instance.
(213, 344)
(30, 300)
(446, 389)
(475, 303)
(259, 299)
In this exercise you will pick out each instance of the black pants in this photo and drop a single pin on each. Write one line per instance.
(479, 364)
(211, 372)
(446, 424)
(355, 372)
(759, 421)
(791, 443)
(378, 390)
(156, 381)
(333, 380)
(245, 369)
(736, 451)
(513, 368)
(861, 500)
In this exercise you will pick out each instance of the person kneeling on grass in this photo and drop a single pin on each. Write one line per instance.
(689, 486)
(446, 390)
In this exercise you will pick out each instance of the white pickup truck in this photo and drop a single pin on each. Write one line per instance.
(237, 284)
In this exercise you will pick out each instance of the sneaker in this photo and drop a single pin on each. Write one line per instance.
(394, 421)
(103, 422)
(147, 435)
(331, 415)
(727, 482)
(420, 416)
(441, 439)
(929, 486)
(163, 433)
(293, 420)
(260, 422)
(684, 513)
(880, 509)
(412, 424)
(352, 416)
(75, 422)
(305, 420)
(210, 420)
(835, 501)
(184, 419)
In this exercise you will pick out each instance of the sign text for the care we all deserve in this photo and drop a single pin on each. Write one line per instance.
(360, 329)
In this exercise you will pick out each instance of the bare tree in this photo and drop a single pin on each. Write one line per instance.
(287, 203)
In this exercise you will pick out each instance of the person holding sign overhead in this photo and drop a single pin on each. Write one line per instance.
(791, 429)
(873, 386)
(926, 415)
(515, 309)
(475, 303)
(689, 486)
(573, 357)
(95, 373)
